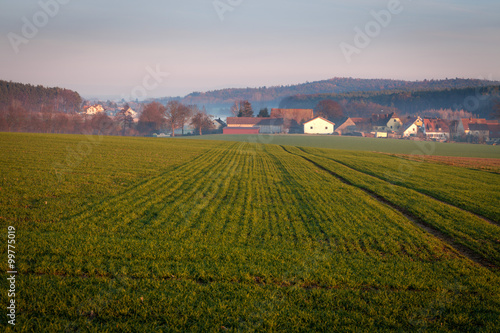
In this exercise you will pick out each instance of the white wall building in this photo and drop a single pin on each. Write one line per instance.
(319, 125)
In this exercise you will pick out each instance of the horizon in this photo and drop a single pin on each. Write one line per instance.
(116, 98)
(169, 49)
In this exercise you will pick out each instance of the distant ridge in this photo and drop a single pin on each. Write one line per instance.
(273, 95)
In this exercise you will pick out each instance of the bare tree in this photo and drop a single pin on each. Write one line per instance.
(329, 109)
(185, 114)
(102, 124)
(201, 120)
(235, 109)
(174, 115)
(245, 109)
(152, 118)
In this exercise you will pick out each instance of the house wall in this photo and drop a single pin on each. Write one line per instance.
(438, 135)
(318, 126)
(240, 130)
(394, 124)
(270, 129)
(412, 130)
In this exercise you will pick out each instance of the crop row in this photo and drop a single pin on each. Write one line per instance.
(465, 228)
(473, 190)
(240, 213)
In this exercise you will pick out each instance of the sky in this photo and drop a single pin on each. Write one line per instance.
(156, 48)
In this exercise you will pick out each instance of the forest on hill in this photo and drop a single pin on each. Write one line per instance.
(479, 100)
(272, 96)
(35, 98)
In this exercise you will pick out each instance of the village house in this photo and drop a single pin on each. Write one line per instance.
(319, 125)
(394, 123)
(354, 126)
(253, 125)
(380, 121)
(217, 126)
(346, 125)
(480, 131)
(436, 129)
(94, 109)
(464, 124)
(411, 127)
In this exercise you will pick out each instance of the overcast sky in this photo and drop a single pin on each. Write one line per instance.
(109, 47)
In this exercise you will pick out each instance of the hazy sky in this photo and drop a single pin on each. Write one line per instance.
(110, 47)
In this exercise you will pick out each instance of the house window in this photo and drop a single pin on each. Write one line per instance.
(326, 127)
(311, 127)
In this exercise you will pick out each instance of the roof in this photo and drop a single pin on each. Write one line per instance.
(436, 125)
(361, 120)
(299, 115)
(222, 123)
(478, 127)
(381, 119)
(321, 119)
(255, 121)
(242, 121)
(409, 122)
(468, 121)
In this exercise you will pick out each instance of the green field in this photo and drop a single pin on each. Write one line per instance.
(391, 146)
(141, 234)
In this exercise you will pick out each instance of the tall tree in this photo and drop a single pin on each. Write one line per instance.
(235, 109)
(125, 119)
(152, 118)
(245, 109)
(329, 109)
(174, 115)
(201, 120)
(263, 113)
(102, 124)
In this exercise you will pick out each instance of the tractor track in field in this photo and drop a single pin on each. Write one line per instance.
(393, 184)
(460, 248)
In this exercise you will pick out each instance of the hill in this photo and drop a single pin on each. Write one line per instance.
(478, 100)
(34, 98)
(272, 96)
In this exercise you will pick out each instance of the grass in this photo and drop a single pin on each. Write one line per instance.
(140, 234)
(391, 146)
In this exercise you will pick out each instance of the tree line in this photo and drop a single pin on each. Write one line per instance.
(480, 101)
(37, 98)
(154, 118)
